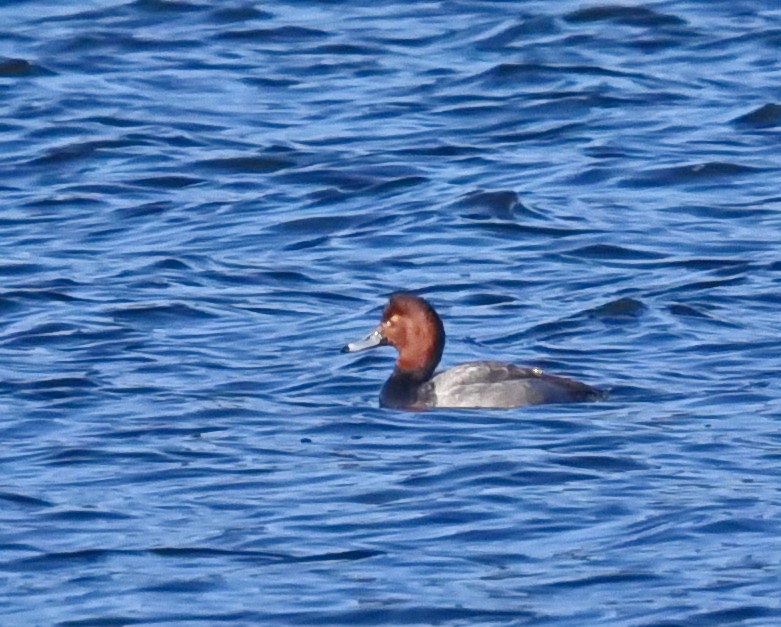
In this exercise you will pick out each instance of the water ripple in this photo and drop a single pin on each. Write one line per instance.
(202, 202)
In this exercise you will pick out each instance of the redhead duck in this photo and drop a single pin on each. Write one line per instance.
(411, 325)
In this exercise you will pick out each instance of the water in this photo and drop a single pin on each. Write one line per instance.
(202, 202)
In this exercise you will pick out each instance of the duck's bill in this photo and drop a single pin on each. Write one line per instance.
(374, 338)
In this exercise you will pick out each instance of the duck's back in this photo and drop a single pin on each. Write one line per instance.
(496, 384)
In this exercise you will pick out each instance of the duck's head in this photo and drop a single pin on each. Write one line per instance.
(413, 328)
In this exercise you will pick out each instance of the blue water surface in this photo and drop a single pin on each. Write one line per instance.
(203, 201)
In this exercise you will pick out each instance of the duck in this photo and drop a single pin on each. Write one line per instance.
(412, 326)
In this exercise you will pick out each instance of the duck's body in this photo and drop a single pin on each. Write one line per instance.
(412, 326)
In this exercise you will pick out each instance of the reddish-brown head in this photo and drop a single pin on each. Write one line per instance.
(412, 326)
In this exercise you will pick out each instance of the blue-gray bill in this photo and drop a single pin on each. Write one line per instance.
(374, 338)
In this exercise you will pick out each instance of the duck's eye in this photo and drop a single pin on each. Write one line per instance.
(392, 320)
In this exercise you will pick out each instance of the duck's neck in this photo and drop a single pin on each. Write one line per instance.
(419, 363)
(421, 351)
(402, 389)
